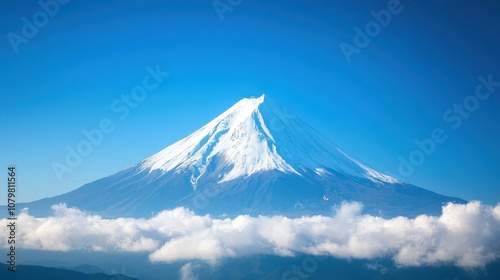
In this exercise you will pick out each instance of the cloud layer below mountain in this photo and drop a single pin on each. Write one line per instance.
(464, 235)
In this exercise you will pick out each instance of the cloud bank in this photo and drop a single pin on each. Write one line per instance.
(465, 235)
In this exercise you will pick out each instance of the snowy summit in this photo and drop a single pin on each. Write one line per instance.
(256, 135)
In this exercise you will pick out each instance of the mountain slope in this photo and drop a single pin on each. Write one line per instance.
(254, 158)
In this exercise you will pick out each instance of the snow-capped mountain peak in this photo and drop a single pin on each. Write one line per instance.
(252, 136)
(255, 158)
(239, 140)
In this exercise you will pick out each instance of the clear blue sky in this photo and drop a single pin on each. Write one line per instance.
(395, 90)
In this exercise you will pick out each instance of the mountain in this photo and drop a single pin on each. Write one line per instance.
(255, 158)
(84, 268)
(266, 267)
(27, 272)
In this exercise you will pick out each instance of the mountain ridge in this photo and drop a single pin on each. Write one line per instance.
(51, 273)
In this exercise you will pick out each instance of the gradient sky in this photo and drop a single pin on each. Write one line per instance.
(395, 90)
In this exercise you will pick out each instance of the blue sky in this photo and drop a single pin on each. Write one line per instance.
(65, 77)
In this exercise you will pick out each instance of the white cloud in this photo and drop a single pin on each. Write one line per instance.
(465, 235)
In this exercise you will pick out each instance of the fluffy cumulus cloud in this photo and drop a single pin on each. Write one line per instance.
(466, 235)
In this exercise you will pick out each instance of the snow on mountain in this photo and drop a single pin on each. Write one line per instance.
(244, 138)
(239, 135)
(257, 159)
